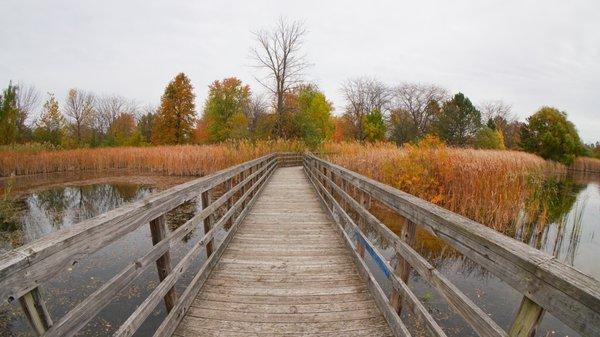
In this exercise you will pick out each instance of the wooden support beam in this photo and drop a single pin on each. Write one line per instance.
(408, 235)
(205, 199)
(158, 231)
(35, 309)
(229, 186)
(527, 319)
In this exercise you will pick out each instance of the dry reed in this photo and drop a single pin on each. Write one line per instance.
(586, 164)
(193, 160)
(488, 186)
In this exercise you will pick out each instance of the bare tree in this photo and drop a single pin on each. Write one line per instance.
(364, 95)
(279, 53)
(418, 101)
(110, 107)
(28, 99)
(496, 109)
(259, 106)
(79, 108)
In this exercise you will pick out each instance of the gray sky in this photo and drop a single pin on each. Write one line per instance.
(525, 53)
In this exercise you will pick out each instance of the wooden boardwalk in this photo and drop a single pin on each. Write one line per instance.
(286, 272)
(296, 260)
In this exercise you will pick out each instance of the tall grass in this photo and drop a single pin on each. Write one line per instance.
(169, 160)
(488, 186)
(586, 164)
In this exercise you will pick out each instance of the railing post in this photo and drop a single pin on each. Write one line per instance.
(408, 235)
(205, 198)
(35, 309)
(527, 319)
(158, 231)
(229, 203)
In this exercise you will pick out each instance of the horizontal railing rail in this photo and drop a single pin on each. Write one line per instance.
(546, 283)
(25, 269)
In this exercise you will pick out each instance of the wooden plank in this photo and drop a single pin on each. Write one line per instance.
(257, 276)
(36, 262)
(408, 235)
(527, 319)
(472, 314)
(76, 318)
(35, 310)
(173, 319)
(398, 328)
(207, 222)
(135, 320)
(158, 232)
(571, 296)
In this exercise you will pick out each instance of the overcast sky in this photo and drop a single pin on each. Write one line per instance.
(526, 53)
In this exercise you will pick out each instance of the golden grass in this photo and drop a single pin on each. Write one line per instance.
(169, 160)
(586, 164)
(488, 186)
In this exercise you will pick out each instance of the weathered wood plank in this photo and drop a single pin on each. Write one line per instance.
(158, 232)
(173, 319)
(476, 317)
(267, 269)
(32, 264)
(569, 295)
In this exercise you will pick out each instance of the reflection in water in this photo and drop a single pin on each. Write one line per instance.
(560, 218)
(50, 210)
(46, 211)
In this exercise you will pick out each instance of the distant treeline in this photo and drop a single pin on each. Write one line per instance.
(291, 108)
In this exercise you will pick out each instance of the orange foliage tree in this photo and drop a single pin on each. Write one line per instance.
(174, 122)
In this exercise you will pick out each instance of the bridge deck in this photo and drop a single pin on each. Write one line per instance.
(286, 272)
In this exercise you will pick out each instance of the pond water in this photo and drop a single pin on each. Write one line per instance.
(46, 210)
(568, 228)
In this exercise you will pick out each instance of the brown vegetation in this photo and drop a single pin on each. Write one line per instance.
(586, 164)
(488, 186)
(170, 160)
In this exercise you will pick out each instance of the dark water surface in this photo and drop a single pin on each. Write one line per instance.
(569, 229)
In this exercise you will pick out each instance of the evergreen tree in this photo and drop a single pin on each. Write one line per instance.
(458, 121)
(50, 125)
(176, 117)
(9, 115)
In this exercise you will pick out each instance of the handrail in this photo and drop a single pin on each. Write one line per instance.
(546, 283)
(24, 269)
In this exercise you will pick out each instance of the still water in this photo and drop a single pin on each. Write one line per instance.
(567, 227)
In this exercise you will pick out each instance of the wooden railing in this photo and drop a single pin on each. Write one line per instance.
(25, 269)
(546, 284)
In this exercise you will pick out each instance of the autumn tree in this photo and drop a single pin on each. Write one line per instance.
(489, 138)
(314, 116)
(123, 131)
(458, 121)
(226, 109)
(110, 107)
(49, 127)
(374, 126)
(79, 109)
(551, 135)
(416, 106)
(176, 117)
(9, 115)
(279, 54)
(363, 96)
